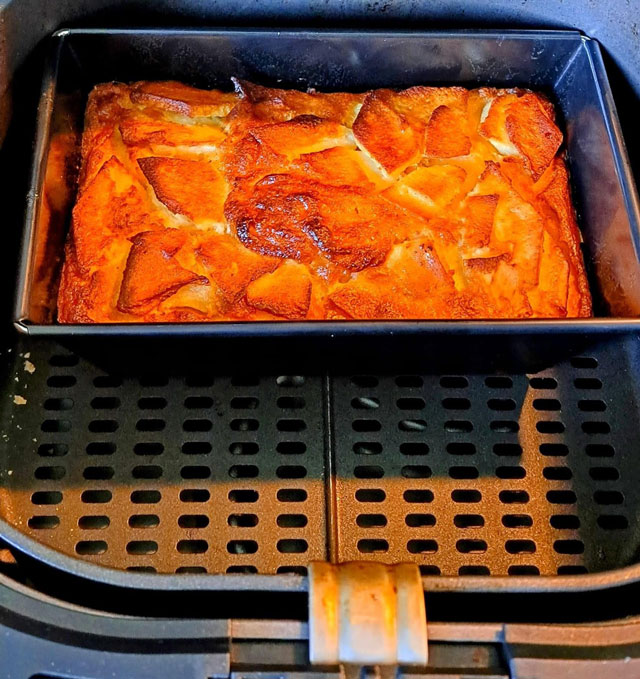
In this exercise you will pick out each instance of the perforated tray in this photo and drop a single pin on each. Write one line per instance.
(462, 474)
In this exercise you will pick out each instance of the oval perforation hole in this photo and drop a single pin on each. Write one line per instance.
(511, 472)
(365, 403)
(291, 425)
(144, 520)
(608, 497)
(195, 495)
(141, 547)
(242, 547)
(195, 472)
(292, 520)
(103, 426)
(501, 404)
(590, 383)
(371, 520)
(200, 402)
(244, 496)
(498, 382)
(604, 473)
(523, 570)
(409, 381)
(192, 546)
(58, 404)
(468, 521)
(456, 403)
(599, 450)
(416, 471)
(199, 381)
(565, 522)
(429, 569)
(520, 546)
(147, 471)
(466, 496)
(505, 426)
(198, 425)
(148, 448)
(420, 520)
(53, 449)
(43, 522)
(91, 547)
(244, 570)
(517, 521)
(291, 495)
(244, 448)
(290, 546)
(367, 448)
(243, 403)
(106, 382)
(454, 382)
(584, 362)
(366, 425)
(422, 546)
(467, 546)
(589, 405)
(195, 570)
(562, 497)
(414, 448)
(568, 546)
(150, 424)
(458, 426)
(550, 427)
(291, 447)
(557, 473)
(244, 424)
(96, 496)
(105, 403)
(546, 404)
(410, 403)
(242, 520)
(98, 473)
(513, 496)
(416, 496)
(368, 472)
(543, 383)
(243, 471)
(50, 473)
(554, 449)
(193, 521)
(474, 570)
(464, 472)
(152, 403)
(593, 427)
(412, 425)
(461, 448)
(288, 381)
(292, 570)
(145, 497)
(370, 495)
(56, 426)
(291, 402)
(371, 546)
(613, 522)
(290, 471)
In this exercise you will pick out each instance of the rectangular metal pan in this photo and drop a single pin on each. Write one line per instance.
(564, 64)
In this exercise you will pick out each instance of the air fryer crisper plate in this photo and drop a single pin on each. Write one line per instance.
(565, 65)
(465, 475)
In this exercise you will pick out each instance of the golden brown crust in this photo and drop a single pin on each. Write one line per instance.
(265, 204)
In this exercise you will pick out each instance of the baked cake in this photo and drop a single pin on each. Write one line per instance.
(269, 204)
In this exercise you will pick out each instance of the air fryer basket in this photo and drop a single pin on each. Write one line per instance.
(519, 476)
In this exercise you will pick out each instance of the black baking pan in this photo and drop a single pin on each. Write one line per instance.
(563, 64)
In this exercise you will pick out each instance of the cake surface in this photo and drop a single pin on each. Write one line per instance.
(267, 204)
